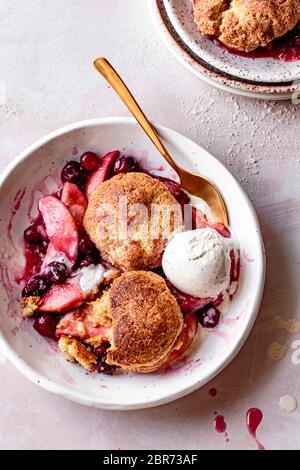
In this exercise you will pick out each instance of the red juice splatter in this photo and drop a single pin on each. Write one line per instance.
(212, 392)
(254, 417)
(219, 423)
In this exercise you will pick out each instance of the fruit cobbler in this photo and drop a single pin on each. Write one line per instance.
(128, 302)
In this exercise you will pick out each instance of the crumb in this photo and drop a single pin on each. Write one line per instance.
(73, 350)
(94, 341)
(30, 305)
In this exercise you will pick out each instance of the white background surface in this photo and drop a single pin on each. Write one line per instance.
(46, 81)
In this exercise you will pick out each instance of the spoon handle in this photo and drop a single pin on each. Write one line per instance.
(113, 78)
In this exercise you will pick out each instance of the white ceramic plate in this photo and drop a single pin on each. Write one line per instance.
(203, 70)
(262, 70)
(38, 358)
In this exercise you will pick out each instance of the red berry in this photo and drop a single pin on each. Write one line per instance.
(74, 173)
(86, 245)
(87, 260)
(124, 165)
(100, 351)
(36, 286)
(209, 317)
(90, 161)
(56, 272)
(160, 271)
(106, 368)
(45, 325)
(36, 232)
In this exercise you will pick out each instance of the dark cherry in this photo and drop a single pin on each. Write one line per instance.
(56, 272)
(45, 325)
(101, 354)
(73, 173)
(124, 165)
(36, 286)
(87, 260)
(159, 271)
(100, 351)
(90, 161)
(36, 232)
(105, 343)
(106, 368)
(86, 246)
(209, 317)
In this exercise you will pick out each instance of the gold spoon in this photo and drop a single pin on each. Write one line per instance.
(192, 183)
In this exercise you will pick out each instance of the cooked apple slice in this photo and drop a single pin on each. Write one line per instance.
(74, 200)
(199, 220)
(103, 173)
(185, 338)
(60, 227)
(52, 255)
(79, 324)
(65, 297)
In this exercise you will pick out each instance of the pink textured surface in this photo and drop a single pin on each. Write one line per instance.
(47, 82)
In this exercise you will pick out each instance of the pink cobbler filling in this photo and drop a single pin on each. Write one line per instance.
(286, 48)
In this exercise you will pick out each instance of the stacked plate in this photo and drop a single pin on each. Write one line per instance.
(264, 78)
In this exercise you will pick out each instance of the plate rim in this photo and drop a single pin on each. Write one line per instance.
(167, 6)
(85, 399)
(209, 74)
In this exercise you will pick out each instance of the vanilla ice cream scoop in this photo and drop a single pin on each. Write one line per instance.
(197, 262)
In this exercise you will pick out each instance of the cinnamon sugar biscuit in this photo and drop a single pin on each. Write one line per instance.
(246, 25)
(146, 321)
(129, 218)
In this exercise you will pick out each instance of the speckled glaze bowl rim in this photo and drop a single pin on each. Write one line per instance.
(82, 398)
(204, 71)
(263, 71)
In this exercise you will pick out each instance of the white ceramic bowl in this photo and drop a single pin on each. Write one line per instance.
(38, 358)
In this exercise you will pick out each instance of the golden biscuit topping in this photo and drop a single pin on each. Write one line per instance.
(146, 321)
(246, 25)
(129, 218)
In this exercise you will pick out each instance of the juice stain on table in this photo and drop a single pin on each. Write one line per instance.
(254, 418)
